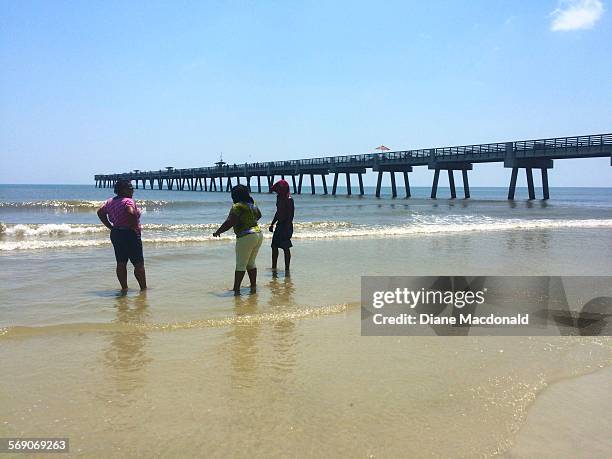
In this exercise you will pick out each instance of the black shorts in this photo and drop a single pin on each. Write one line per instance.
(281, 239)
(127, 245)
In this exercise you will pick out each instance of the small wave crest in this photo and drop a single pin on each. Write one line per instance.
(248, 319)
(21, 230)
(77, 205)
(52, 229)
(52, 204)
(58, 236)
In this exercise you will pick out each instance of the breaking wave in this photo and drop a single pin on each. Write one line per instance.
(62, 236)
(49, 229)
(34, 230)
(78, 205)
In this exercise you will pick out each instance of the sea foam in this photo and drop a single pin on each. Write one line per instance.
(58, 236)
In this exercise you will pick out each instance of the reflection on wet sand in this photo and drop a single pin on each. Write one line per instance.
(126, 357)
(243, 343)
(282, 290)
(284, 338)
(256, 348)
(539, 239)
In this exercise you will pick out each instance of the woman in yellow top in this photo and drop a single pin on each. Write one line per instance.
(243, 218)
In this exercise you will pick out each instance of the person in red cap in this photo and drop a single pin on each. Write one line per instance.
(283, 218)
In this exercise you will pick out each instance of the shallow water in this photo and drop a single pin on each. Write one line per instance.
(187, 368)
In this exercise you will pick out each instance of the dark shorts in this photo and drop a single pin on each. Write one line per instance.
(127, 245)
(281, 239)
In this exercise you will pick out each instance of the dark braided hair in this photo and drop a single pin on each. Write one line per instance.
(240, 193)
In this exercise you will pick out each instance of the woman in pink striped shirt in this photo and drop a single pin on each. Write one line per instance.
(122, 217)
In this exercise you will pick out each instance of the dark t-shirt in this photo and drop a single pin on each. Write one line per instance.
(285, 209)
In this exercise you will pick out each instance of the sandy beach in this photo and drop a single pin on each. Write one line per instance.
(553, 426)
(305, 387)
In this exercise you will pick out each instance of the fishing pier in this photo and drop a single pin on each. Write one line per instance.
(519, 155)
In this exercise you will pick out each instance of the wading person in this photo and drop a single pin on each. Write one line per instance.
(283, 218)
(122, 217)
(243, 218)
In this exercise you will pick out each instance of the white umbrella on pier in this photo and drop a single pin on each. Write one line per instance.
(382, 149)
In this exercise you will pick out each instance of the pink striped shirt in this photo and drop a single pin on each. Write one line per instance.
(116, 209)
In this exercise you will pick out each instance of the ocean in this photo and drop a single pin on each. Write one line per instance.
(284, 371)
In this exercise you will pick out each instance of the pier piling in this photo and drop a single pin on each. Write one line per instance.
(513, 177)
(466, 184)
(450, 167)
(545, 183)
(434, 187)
(451, 184)
(378, 183)
(514, 161)
(393, 187)
(406, 183)
(530, 187)
(335, 185)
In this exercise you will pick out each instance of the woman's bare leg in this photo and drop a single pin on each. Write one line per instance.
(238, 276)
(253, 279)
(141, 277)
(287, 259)
(274, 258)
(122, 274)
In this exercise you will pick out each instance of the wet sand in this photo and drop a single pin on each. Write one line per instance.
(570, 419)
(304, 387)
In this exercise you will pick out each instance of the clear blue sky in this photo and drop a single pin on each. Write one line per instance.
(91, 87)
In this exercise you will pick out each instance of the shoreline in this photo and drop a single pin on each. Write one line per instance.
(565, 402)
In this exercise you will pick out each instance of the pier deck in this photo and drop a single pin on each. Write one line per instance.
(522, 154)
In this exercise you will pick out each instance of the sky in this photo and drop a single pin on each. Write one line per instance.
(92, 87)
